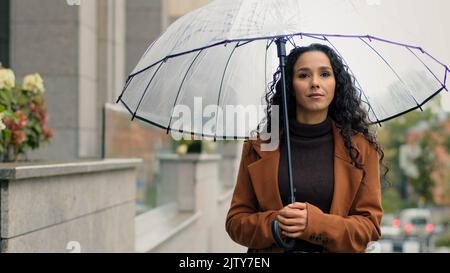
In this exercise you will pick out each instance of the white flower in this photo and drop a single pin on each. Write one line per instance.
(7, 78)
(182, 149)
(33, 83)
(2, 125)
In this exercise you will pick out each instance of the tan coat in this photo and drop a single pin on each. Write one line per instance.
(355, 215)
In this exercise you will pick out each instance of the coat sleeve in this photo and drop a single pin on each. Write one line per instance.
(245, 224)
(351, 233)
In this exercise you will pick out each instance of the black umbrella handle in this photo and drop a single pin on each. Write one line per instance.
(281, 49)
(288, 244)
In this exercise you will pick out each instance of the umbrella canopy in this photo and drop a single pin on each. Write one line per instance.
(224, 54)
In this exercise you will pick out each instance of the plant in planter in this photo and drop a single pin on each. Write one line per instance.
(23, 115)
(187, 146)
(190, 146)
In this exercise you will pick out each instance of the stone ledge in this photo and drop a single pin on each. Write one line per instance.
(109, 230)
(37, 196)
(17, 171)
(160, 224)
(190, 157)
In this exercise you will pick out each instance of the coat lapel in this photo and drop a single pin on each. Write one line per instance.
(264, 176)
(347, 177)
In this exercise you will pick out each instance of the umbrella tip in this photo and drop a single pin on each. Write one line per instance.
(134, 113)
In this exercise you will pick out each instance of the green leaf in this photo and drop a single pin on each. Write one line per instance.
(9, 114)
(7, 134)
(4, 98)
(23, 100)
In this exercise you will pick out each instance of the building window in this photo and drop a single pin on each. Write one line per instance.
(4, 32)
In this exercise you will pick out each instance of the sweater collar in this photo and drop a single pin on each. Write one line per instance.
(339, 147)
(310, 130)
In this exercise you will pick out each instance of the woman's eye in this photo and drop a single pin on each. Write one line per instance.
(326, 74)
(302, 76)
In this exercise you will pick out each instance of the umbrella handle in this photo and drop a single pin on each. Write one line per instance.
(287, 245)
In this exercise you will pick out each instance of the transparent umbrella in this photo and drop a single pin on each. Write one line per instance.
(226, 52)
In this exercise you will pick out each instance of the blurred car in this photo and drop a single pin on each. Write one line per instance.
(416, 222)
(416, 229)
(390, 226)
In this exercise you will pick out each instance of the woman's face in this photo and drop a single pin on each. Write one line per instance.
(314, 83)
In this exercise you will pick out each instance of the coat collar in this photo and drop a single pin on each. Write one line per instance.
(264, 174)
(339, 147)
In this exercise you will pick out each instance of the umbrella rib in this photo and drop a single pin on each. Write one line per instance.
(445, 78)
(125, 88)
(148, 67)
(271, 42)
(246, 137)
(409, 46)
(432, 73)
(268, 44)
(243, 44)
(180, 131)
(436, 60)
(291, 41)
(312, 35)
(221, 85)
(192, 51)
(149, 48)
(412, 109)
(145, 91)
(356, 80)
(395, 72)
(181, 86)
(265, 64)
(235, 18)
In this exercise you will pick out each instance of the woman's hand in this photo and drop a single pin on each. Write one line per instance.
(293, 219)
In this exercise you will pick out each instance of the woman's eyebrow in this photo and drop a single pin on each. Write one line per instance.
(308, 69)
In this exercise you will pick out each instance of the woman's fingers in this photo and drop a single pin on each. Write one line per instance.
(293, 213)
(292, 229)
(297, 205)
(291, 221)
(292, 235)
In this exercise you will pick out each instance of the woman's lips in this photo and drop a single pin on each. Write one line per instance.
(315, 97)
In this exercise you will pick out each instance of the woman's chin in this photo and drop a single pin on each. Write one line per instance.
(316, 109)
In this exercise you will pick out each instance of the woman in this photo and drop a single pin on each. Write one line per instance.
(335, 162)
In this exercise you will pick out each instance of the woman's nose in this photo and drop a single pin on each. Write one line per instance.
(315, 82)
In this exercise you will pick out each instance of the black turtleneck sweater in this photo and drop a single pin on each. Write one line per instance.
(312, 153)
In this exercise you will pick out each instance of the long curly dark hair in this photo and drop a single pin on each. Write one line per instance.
(345, 109)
